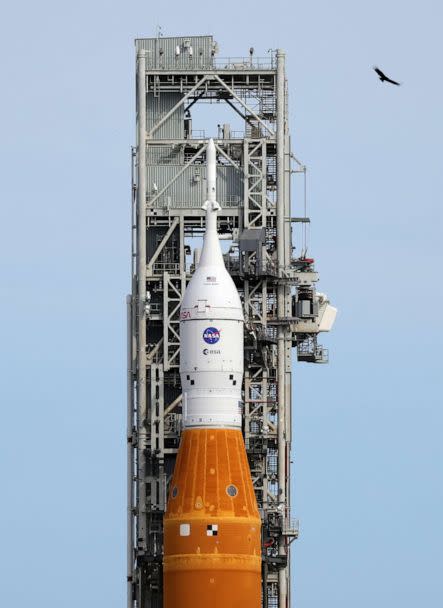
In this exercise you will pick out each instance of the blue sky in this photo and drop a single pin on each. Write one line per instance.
(367, 428)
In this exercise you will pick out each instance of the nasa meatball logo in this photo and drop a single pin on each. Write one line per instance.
(211, 335)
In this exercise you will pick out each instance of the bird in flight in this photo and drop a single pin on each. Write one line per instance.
(383, 77)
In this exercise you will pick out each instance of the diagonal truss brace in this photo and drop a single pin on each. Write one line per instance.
(177, 105)
(161, 245)
(245, 106)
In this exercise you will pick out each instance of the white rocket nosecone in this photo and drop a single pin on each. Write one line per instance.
(211, 331)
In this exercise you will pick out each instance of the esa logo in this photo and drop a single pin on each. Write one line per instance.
(207, 351)
(211, 335)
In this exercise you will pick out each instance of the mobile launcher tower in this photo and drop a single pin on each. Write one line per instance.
(209, 518)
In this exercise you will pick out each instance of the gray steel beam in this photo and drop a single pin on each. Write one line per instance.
(281, 350)
(141, 293)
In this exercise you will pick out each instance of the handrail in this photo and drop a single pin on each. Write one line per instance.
(245, 63)
(211, 63)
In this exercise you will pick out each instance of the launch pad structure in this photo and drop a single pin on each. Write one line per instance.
(282, 310)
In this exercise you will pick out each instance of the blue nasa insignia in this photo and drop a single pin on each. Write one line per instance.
(211, 335)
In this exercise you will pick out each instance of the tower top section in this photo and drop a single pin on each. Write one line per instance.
(197, 53)
(181, 52)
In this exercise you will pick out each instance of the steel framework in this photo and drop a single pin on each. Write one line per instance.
(282, 309)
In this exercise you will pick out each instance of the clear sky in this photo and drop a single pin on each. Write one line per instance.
(367, 428)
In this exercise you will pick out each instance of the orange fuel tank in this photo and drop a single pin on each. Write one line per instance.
(212, 556)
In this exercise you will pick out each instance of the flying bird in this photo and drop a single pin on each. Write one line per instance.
(383, 77)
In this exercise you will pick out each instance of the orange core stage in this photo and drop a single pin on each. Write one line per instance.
(212, 555)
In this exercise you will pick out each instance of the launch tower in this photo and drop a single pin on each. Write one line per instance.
(182, 87)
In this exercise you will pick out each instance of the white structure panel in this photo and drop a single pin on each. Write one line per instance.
(211, 370)
(218, 410)
(211, 293)
(211, 345)
(328, 318)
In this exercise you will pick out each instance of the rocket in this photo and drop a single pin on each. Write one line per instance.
(212, 527)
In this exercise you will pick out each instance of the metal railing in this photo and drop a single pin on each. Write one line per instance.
(211, 63)
(198, 134)
(308, 350)
(291, 527)
(245, 63)
(170, 267)
(266, 334)
(233, 201)
(153, 308)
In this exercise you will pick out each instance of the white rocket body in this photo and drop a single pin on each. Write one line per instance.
(211, 332)
(212, 527)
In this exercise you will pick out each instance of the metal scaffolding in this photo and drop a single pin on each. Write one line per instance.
(282, 309)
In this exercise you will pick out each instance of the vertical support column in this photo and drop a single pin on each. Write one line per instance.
(182, 257)
(247, 417)
(158, 490)
(266, 398)
(130, 456)
(166, 321)
(281, 351)
(246, 183)
(141, 292)
(288, 340)
(281, 241)
(263, 185)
